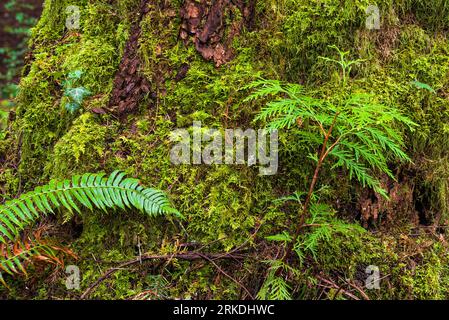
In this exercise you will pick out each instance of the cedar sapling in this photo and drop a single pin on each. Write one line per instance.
(350, 130)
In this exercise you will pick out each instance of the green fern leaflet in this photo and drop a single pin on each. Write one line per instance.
(90, 190)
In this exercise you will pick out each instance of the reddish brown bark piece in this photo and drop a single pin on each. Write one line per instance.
(129, 85)
(205, 23)
(375, 209)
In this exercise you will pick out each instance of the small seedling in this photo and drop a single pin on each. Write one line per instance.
(421, 85)
(75, 94)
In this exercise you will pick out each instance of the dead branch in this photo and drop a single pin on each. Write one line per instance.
(333, 285)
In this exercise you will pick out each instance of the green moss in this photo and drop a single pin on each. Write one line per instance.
(426, 279)
(95, 50)
(97, 59)
(420, 56)
(224, 204)
(81, 149)
(409, 269)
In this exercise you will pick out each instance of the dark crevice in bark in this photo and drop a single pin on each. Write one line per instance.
(130, 86)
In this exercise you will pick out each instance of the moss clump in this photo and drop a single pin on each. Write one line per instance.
(84, 144)
(411, 268)
(92, 49)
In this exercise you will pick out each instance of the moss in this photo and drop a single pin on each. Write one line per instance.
(95, 50)
(426, 279)
(97, 59)
(81, 149)
(224, 204)
(413, 268)
(10, 183)
(111, 238)
(218, 202)
(420, 56)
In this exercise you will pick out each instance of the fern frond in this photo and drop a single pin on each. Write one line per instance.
(280, 290)
(362, 152)
(15, 257)
(323, 228)
(90, 190)
(387, 143)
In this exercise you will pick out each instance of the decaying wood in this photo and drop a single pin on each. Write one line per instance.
(129, 84)
(205, 24)
(201, 22)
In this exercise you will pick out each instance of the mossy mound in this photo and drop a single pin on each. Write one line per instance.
(225, 204)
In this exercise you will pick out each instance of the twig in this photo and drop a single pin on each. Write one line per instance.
(230, 277)
(184, 256)
(356, 287)
(333, 285)
(304, 213)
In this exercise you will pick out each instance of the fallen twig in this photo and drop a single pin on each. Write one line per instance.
(333, 285)
(230, 277)
(183, 256)
(360, 290)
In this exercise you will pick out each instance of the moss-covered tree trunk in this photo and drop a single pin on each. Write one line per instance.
(156, 66)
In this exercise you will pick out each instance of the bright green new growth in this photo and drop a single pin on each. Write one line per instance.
(275, 287)
(91, 190)
(3, 121)
(345, 65)
(364, 135)
(421, 85)
(322, 226)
